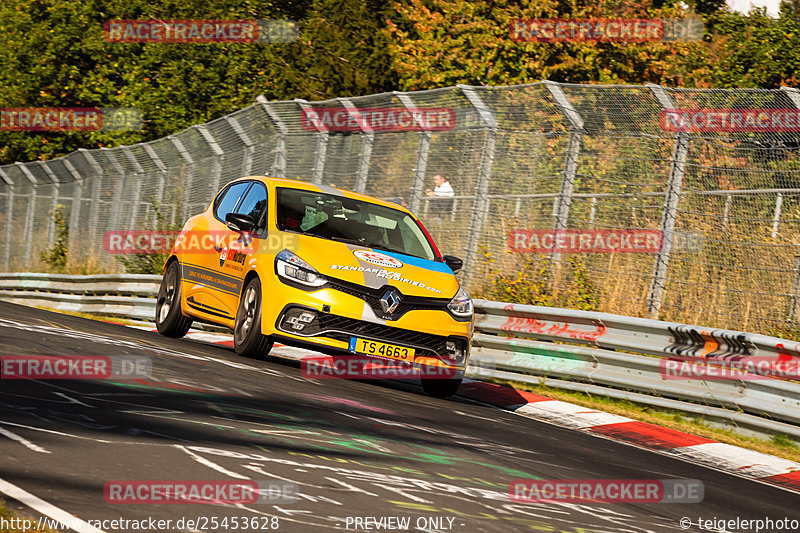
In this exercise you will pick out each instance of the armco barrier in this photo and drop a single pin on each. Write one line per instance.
(128, 295)
(514, 342)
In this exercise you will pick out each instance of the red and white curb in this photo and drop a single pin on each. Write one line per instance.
(690, 448)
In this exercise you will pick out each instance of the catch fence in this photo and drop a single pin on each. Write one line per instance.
(542, 156)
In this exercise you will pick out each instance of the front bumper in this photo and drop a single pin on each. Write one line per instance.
(318, 327)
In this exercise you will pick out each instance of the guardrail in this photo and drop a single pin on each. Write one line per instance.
(127, 295)
(569, 349)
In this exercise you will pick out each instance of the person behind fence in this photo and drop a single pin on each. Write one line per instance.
(443, 189)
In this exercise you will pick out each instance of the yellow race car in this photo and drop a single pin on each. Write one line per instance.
(318, 267)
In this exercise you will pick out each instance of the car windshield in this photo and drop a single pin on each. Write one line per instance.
(353, 221)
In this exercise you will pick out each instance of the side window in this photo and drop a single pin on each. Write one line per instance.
(229, 199)
(255, 205)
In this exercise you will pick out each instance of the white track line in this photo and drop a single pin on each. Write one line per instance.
(205, 462)
(48, 509)
(28, 444)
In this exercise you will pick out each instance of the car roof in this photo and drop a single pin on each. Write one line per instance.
(306, 186)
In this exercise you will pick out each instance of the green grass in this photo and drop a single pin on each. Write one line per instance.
(7, 514)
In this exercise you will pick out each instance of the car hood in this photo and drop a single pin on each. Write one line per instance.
(376, 268)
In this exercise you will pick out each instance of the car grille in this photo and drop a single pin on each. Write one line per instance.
(342, 328)
(372, 297)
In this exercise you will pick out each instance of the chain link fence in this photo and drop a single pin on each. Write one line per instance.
(537, 156)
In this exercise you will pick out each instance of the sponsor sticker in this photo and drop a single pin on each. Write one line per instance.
(383, 273)
(377, 258)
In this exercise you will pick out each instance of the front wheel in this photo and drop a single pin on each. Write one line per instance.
(440, 388)
(170, 322)
(247, 337)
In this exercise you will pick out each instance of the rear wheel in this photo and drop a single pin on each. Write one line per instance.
(247, 337)
(170, 322)
(441, 388)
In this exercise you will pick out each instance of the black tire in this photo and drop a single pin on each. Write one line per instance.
(440, 388)
(247, 338)
(170, 322)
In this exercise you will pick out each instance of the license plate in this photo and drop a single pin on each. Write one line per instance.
(381, 349)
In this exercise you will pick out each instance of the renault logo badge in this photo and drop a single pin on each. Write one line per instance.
(389, 302)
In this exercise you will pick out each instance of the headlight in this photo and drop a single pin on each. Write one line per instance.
(291, 267)
(461, 304)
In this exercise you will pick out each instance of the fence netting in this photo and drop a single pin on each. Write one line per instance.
(542, 156)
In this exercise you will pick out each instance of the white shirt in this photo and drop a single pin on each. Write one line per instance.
(445, 189)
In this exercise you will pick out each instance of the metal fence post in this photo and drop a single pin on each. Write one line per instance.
(481, 205)
(247, 156)
(367, 140)
(189, 169)
(116, 202)
(94, 209)
(571, 158)
(54, 196)
(421, 165)
(9, 215)
(137, 188)
(776, 218)
(669, 216)
(151, 153)
(26, 258)
(75, 208)
(279, 165)
(216, 172)
(322, 147)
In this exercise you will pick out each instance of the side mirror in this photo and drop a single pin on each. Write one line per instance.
(453, 262)
(240, 223)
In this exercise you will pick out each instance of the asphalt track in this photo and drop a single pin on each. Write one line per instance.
(355, 448)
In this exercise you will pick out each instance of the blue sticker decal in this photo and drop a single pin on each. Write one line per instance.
(418, 261)
(352, 346)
